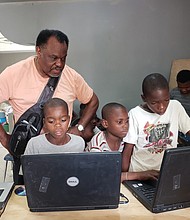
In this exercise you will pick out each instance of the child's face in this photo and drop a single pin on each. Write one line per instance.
(184, 88)
(157, 101)
(117, 123)
(56, 122)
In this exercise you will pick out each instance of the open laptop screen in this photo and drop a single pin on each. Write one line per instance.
(72, 181)
(172, 189)
(5, 193)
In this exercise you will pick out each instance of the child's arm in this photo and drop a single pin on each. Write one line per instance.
(126, 156)
(144, 175)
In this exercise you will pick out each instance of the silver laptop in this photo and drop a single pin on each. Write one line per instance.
(5, 193)
(72, 181)
(172, 190)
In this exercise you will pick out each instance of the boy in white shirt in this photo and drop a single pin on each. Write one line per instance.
(153, 127)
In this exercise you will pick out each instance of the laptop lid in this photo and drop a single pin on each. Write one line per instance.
(72, 181)
(172, 189)
(5, 193)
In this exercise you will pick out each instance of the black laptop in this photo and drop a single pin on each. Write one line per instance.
(172, 190)
(72, 181)
(5, 193)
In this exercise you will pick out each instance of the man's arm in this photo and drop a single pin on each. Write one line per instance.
(88, 113)
(4, 138)
(89, 110)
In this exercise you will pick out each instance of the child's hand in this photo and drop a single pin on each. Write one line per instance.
(123, 176)
(144, 175)
(149, 174)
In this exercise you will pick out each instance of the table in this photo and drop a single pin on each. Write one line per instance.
(17, 209)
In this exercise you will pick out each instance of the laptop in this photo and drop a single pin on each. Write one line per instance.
(72, 181)
(172, 190)
(6, 189)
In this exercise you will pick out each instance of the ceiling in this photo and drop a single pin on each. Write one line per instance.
(10, 1)
(8, 46)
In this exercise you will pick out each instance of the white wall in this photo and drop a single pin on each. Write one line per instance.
(114, 44)
(7, 59)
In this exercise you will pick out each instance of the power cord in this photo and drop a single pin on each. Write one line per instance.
(124, 197)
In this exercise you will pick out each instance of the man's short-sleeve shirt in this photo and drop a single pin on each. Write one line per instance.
(22, 85)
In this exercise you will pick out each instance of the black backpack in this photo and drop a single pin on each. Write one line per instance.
(30, 122)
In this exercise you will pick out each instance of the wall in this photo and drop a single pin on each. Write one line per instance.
(7, 59)
(114, 44)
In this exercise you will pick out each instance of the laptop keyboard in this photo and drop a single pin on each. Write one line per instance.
(147, 191)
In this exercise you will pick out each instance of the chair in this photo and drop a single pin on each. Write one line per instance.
(7, 158)
(177, 65)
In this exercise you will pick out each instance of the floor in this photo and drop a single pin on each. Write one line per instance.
(9, 176)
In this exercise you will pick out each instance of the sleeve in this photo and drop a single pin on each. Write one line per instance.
(84, 91)
(30, 147)
(132, 134)
(184, 119)
(81, 145)
(94, 145)
(6, 81)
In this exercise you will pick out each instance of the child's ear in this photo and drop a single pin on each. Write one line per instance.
(143, 98)
(44, 127)
(104, 123)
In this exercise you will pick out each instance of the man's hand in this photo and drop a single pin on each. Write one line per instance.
(74, 130)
